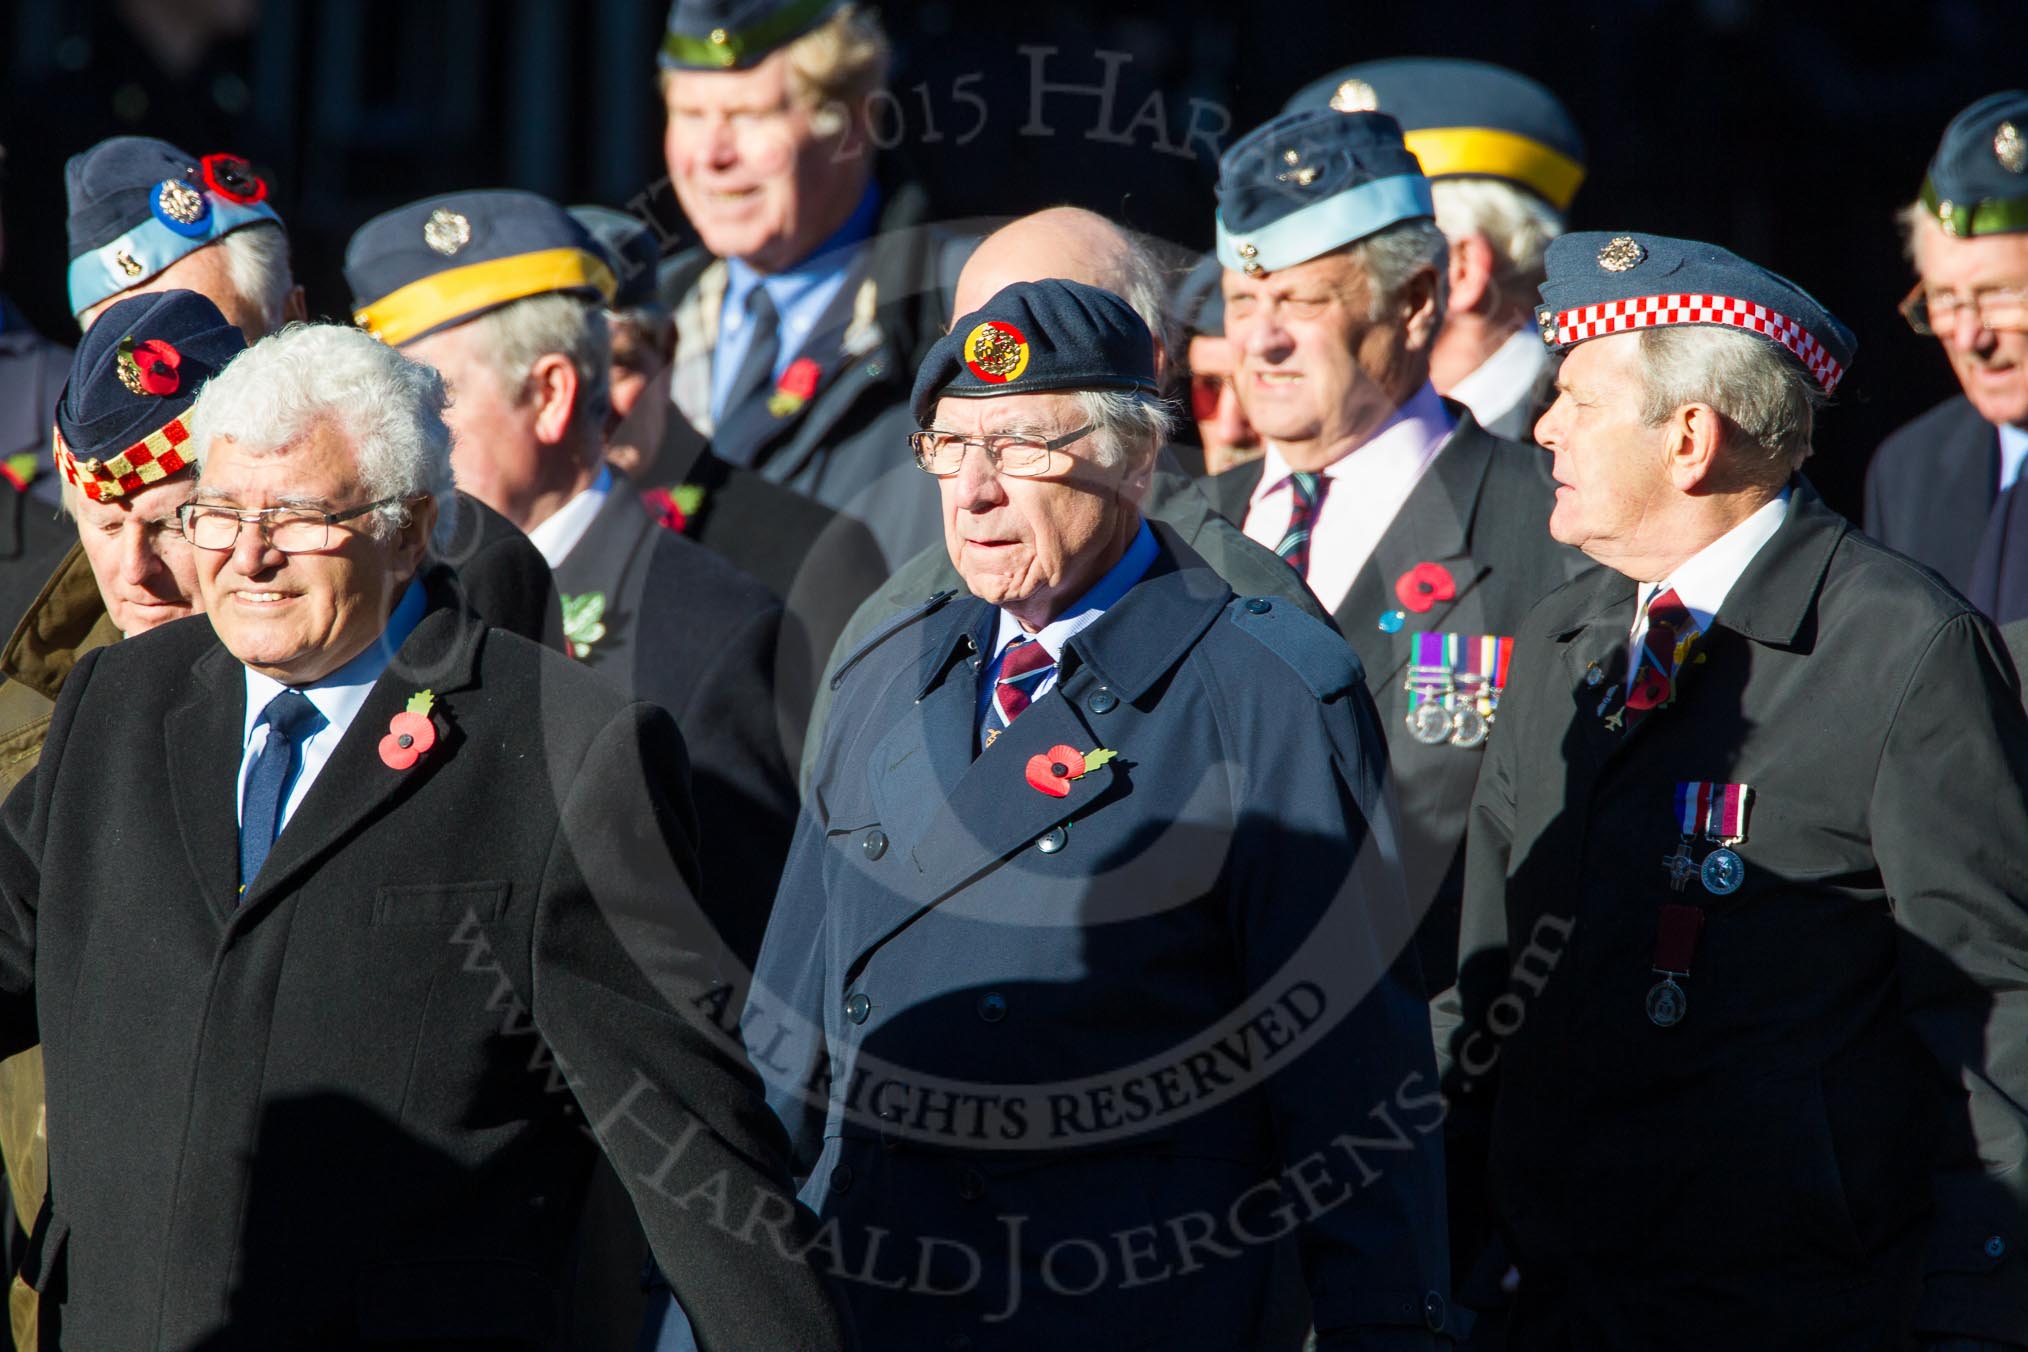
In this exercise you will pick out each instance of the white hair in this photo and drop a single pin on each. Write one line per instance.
(1515, 222)
(1128, 427)
(514, 337)
(1390, 258)
(1767, 400)
(271, 396)
(257, 260)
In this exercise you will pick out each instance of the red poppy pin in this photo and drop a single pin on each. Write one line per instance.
(233, 179)
(1424, 585)
(794, 389)
(149, 366)
(1051, 771)
(1650, 690)
(409, 733)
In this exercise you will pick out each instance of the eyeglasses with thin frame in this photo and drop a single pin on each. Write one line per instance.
(292, 530)
(1022, 454)
(2002, 309)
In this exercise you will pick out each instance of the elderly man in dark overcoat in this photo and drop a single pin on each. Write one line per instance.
(352, 928)
(1742, 985)
(1088, 984)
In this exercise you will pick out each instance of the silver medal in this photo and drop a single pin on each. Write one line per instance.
(1468, 727)
(1429, 723)
(1667, 1004)
(1723, 872)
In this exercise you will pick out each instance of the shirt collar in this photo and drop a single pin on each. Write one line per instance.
(557, 534)
(2013, 450)
(1406, 442)
(340, 695)
(1104, 594)
(1703, 580)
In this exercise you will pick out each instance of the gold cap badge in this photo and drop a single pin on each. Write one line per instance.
(2010, 149)
(180, 202)
(447, 231)
(996, 352)
(1621, 254)
(1355, 96)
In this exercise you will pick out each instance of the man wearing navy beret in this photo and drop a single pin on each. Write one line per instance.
(1066, 834)
(1744, 1043)
(1934, 488)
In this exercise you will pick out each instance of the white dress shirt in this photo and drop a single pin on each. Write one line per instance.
(2013, 450)
(338, 697)
(1500, 391)
(557, 534)
(1368, 486)
(1702, 580)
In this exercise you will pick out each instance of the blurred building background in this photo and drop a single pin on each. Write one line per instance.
(1789, 130)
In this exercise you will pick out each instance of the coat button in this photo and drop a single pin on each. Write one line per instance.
(1052, 840)
(874, 843)
(1102, 701)
(1259, 605)
(857, 1007)
(841, 1178)
(971, 1185)
(1433, 1312)
(992, 1007)
(1996, 1247)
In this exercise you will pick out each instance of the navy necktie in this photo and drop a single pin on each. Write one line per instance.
(291, 720)
(764, 344)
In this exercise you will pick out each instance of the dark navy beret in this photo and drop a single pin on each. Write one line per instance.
(631, 249)
(1602, 283)
(724, 34)
(1310, 182)
(1465, 119)
(1978, 179)
(119, 424)
(1034, 337)
(1199, 299)
(137, 205)
(444, 260)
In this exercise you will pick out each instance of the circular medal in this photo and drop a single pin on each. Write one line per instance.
(1468, 728)
(1723, 872)
(1667, 1004)
(1429, 723)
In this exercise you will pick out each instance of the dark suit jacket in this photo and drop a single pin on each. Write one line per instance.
(1999, 585)
(1799, 1162)
(352, 1108)
(1931, 485)
(501, 576)
(1482, 511)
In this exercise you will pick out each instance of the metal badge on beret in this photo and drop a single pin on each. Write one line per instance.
(127, 263)
(1302, 177)
(447, 231)
(1355, 96)
(996, 352)
(180, 207)
(2010, 149)
(1621, 253)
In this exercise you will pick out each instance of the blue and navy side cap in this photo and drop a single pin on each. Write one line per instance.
(1313, 181)
(1465, 119)
(137, 205)
(631, 249)
(1034, 337)
(734, 34)
(444, 260)
(119, 424)
(1600, 283)
(1978, 179)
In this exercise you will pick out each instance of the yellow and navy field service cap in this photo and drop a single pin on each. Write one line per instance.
(1313, 181)
(734, 34)
(1465, 119)
(120, 423)
(136, 205)
(1601, 283)
(441, 261)
(1978, 179)
(1035, 337)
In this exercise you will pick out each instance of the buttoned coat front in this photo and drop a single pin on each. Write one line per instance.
(1058, 1042)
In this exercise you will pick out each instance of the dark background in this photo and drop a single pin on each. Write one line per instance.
(1789, 130)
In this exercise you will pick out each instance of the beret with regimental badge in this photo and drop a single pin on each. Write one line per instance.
(1465, 119)
(1313, 181)
(441, 261)
(136, 205)
(632, 250)
(120, 423)
(732, 34)
(1601, 283)
(1978, 178)
(1035, 337)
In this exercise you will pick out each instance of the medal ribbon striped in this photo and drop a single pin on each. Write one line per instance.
(1693, 803)
(1726, 820)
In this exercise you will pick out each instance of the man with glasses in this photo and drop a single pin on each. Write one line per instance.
(1934, 486)
(1065, 833)
(342, 917)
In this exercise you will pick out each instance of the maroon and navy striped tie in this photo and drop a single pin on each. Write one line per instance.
(1306, 497)
(1023, 667)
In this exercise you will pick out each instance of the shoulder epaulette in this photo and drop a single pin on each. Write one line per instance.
(1322, 658)
(889, 630)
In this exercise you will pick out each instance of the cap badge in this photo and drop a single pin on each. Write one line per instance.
(447, 231)
(181, 207)
(1355, 96)
(149, 366)
(1545, 322)
(127, 263)
(1303, 177)
(1622, 253)
(2010, 149)
(996, 353)
(1947, 217)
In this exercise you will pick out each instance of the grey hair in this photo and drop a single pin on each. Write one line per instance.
(1767, 400)
(1518, 224)
(271, 396)
(257, 260)
(1909, 220)
(1127, 427)
(515, 337)
(1390, 258)
(1143, 283)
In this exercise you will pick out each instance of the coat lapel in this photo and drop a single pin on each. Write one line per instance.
(920, 761)
(203, 740)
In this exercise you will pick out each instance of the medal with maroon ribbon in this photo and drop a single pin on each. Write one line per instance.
(1675, 946)
(1725, 825)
